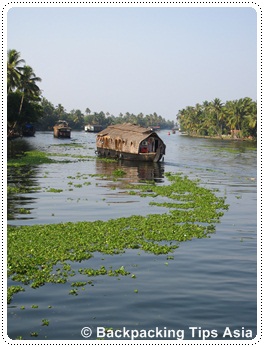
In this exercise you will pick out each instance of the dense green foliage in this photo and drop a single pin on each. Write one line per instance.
(77, 120)
(234, 118)
(23, 94)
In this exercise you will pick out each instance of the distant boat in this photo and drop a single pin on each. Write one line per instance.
(62, 129)
(176, 128)
(28, 130)
(93, 128)
(130, 142)
(155, 128)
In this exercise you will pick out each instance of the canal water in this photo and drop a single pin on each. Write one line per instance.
(206, 290)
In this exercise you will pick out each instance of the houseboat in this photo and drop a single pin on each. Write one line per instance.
(62, 129)
(130, 142)
(93, 128)
(28, 130)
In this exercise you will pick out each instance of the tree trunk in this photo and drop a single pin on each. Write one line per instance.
(21, 104)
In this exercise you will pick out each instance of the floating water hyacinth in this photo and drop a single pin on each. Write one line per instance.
(35, 251)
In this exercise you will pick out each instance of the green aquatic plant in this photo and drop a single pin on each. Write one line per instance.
(21, 189)
(73, 292)
(119, 173)
(19, 338)
(30, 158)
(33, 158)
(24, 211)
(78, 284)
(107, 160)
(78, 185)
(38, 254)
(11, 290)
(79, 157)
(45, 322)
(54, 190)
(103, 271)
(71, 144)
(20, 180)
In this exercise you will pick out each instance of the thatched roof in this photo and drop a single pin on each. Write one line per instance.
(126, 131)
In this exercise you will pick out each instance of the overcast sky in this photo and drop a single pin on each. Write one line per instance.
(138, 59)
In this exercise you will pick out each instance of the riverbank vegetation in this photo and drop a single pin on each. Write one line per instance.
(77, 120)
(26, 104)
(23, 94)
(233, 119)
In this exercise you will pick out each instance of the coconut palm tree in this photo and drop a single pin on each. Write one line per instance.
(27, 85)
(252, 116)
(78, 118)
(250, 119)
(60, 111)
(14, 69)
(237, 110)
(218, 115)
(87, 111)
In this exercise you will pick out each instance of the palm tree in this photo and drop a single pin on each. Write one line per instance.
(237, 110)
(60, 111)
(87, 111)
(13, 69)
(250, 119)
(218, 115)
(78, 118)
(28, 86)
(252, 116)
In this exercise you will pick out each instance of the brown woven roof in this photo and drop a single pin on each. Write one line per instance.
(127, 132)
(125, 129)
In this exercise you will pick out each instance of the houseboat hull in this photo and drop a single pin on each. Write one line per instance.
(63, 133)
(147, 157)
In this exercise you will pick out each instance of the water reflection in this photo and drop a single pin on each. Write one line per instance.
(17, 147)
(134, 171)
(22, 182)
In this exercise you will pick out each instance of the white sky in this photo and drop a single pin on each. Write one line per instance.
(138, 59)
